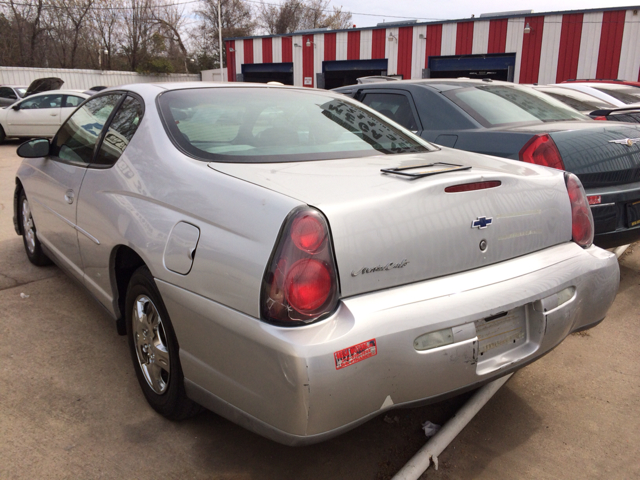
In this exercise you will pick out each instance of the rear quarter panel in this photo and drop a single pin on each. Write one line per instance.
(152, 187)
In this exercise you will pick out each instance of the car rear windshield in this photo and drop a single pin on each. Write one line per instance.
(626, 95)
(498, 105)
(583, 102)
(268, 125)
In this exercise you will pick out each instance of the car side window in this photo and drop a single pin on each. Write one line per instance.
(6, 92)
(76, 140)
(72, 101)
(42, 101)
(393, 105)
(120, 131)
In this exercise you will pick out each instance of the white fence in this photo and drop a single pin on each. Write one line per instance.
(85, 79)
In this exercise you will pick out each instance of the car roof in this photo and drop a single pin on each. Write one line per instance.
(145, 87)
(600, 80)
(153, 89)
(440, 84)
(62, 92)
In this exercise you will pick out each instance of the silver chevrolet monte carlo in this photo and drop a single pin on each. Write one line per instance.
(297, 263)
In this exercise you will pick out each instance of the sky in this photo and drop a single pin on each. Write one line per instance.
(387, 10)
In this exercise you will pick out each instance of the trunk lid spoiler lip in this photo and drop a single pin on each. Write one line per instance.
(605, 112)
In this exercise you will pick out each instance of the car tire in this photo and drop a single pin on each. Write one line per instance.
(32, 245)
(2, 135)
(154, 349)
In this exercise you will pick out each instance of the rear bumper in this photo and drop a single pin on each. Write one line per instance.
(284, 383)
(623, 236)
(614, 222)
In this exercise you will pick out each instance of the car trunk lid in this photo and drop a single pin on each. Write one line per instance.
(599, 153)
(388, 230)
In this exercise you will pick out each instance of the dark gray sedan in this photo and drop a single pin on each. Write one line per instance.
(513, 121)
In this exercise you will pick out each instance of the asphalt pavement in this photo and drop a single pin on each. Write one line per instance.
(71, 407)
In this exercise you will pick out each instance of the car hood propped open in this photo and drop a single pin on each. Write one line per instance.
(44, 85)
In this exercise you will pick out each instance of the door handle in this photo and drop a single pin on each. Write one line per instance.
(53, 114)
(68, 196)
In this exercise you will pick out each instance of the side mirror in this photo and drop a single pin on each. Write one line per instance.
(36, 148)
(16, 106)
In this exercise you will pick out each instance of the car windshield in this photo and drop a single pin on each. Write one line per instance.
(626, 95)
(582, 102)
(497, 105)
(278, 125)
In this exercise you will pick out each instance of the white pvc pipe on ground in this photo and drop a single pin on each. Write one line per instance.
(620, 250)
(441, 440)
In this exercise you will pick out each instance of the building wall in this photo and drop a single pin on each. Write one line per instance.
(214, 75)
(560, 46)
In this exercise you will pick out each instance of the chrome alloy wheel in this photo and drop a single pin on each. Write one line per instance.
(151, 344)
(28, 228)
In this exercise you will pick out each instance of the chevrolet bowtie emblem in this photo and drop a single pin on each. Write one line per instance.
(629, 142)
(481, 222)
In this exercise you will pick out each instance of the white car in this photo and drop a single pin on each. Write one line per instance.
(10, 94)
(39, 115)
(618, 95)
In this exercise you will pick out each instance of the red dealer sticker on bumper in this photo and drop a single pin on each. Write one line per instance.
(355, 354)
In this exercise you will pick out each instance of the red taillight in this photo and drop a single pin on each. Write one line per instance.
(300, 284)
(308, 285)
(594, 199)
(307, 233)
(601, 117)
(581, 218)
(542, 150)
(468, 187)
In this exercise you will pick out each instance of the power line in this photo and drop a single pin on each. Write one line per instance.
(177, 4)
(168, 5)
(352, 13)
(92, 7)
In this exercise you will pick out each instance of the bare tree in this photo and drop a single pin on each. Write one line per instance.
(138, 30)
(284, 18)
(106, 30)
(334, 20)
(237, 21)
(27, 18)
(139, 35)
(67, 19)
(170, 21)
(294, 15)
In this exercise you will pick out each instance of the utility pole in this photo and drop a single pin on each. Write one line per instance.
(100, 51)
(220, 41)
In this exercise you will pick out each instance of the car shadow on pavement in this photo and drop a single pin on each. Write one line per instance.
(376, 450)
(16, 270)
(77, 409)
(504, 424)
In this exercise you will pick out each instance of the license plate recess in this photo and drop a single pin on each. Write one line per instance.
(502, 333)
(633, 214)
